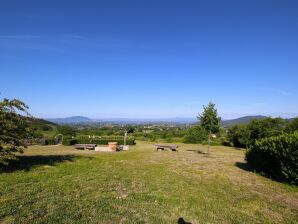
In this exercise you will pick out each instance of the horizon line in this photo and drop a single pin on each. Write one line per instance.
(166, 118)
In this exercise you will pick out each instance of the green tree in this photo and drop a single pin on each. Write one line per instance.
(239, 136)
(195, 134)
(292, 125)
(13, 129)
(210, 121)
(265, 128)
(246, 134)
(66, 130)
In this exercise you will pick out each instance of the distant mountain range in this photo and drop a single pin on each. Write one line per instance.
(86, 120)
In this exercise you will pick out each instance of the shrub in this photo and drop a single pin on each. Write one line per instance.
(239, 136)
(169, 140)
(43, 141)
(195, 134)
(50, 141)
(265, 128)
(152, 138)
(73, 141)
(245, 135)
(96, 141)
(276, 157)
(46, 127)
(66, 130)
(69, 141)
(120, 142)
(292, 125)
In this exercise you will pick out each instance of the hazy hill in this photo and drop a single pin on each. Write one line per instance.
(41, 124)
(71, 120)
(84, 120)
(242, 120)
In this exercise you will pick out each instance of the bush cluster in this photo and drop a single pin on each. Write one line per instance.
(276, 157)
(196, 134)
(67, 141)
(49, 141)
(243, 136)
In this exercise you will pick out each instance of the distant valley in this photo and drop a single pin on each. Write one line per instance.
(86, 120)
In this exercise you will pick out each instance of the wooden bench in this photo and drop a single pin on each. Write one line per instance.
(163, 147)
(85, 146)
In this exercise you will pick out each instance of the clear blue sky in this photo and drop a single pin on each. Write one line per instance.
(150, 59)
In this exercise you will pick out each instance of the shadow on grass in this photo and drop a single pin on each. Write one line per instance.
(27, 162)
(199, 151)
(243, 166)
(192, 150)
(182, 221)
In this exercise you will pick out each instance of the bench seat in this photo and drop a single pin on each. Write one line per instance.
(163, 147)
(85, 146)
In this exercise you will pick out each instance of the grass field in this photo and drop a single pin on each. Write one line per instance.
(57, 184)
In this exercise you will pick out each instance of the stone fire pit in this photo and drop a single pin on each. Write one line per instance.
(113, 145)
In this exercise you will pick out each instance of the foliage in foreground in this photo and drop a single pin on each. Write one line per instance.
(276, 157)
(244, 136)
(292, 125)
(196, 134)
(13, 129)
(238, 136)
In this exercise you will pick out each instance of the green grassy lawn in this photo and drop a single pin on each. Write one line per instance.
(58, 184)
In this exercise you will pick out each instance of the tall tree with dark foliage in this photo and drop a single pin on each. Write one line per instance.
(13, 129)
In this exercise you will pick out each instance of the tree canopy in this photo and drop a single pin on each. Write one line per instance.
(13, 129)
(245, 135)
(292, 125)
(209, 119)
(195, 134)
(66, 130)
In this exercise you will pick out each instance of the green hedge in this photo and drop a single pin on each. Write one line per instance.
(97, 141)
(50, 141)
(70, 141)
(276, 157)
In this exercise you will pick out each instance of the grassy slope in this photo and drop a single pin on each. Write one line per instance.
(141, 186)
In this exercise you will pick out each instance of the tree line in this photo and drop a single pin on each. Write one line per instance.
(245, 135)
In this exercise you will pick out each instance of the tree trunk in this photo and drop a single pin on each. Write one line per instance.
(209, 140)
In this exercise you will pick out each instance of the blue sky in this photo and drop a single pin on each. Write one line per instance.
(150, 59)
